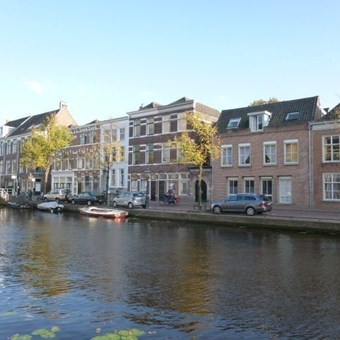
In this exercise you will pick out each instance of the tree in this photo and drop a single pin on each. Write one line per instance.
(42, 147)
(197, 146)
(262, 101)
(108, 152)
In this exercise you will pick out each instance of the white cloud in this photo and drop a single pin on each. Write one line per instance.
(35, 86)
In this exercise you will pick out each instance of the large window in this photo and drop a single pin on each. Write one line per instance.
(165, 153)
(269, 153)
(149, 154)
(150, 126)
(136, 155)
(136, 128)
(331, 187)
(227, 155)
(258, 120)
(291, 151)
(244, 154)
(249, 185)
(267, 187)
(232, 186)
(285, 188)
(331, 149)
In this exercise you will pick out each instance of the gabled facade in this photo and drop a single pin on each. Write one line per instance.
(13, 175)
(152, 164)
(266, 149)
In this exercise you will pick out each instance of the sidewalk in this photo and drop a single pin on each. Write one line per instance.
(310, 213)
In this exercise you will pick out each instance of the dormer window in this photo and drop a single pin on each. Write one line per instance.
(292, 116)
(258, 120)
(233, 123)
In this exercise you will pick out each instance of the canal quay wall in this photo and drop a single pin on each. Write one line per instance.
(284, 219)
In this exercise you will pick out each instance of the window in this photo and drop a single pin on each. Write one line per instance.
(269, 153)
(249, 185)
(150, 126)
(244, 155)
(331, 149)
(174, 123)
(122, 133)
(136, 155)
(292, 116)
(166, 124)
(233, 123)
(232, 186)
(149, 154)
(258, 120)
(121, 178)
(136, 128)
(227, 155)
(83, 138)
(285, 188)
(165, 153)
(267, 187)
(291, 151)
(331, 187)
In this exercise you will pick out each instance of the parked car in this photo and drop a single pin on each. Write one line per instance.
(57, 195)
(129, 199)
(251, 204)
(87, 197)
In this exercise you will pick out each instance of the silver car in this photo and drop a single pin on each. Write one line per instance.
(129, 199)
(251, 204)
(57, 195)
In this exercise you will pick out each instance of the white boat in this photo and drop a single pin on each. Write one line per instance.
(103, 212)
(51, 206)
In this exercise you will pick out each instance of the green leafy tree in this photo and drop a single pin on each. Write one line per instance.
(43, 146)
(262, 101)
(198, 146)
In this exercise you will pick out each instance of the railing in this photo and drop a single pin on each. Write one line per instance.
(4, 194)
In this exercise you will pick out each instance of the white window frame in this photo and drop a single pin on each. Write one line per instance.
(241, 157)
(226, 155)
(247, 181)
(273, 155)
(232, 180)
(334, 149)
(165, 153)
(285, 193)
(291, 142)
(266, 180)
(233, 123)
(331, 187)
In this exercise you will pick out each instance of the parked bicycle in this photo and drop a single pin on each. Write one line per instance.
(169, 200)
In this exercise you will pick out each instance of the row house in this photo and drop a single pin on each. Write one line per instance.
(152, 164)
(81, 166)
(288, 150)
(325, 171)
(12, 134)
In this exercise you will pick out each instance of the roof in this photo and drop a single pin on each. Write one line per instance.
(15, 123)
(308, 109)
(332, 114)
(31, 122)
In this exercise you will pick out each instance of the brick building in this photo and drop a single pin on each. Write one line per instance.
(152, 164)
(267, 149)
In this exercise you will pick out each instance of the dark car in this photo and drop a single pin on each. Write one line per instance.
(88, 198)
(251, 204)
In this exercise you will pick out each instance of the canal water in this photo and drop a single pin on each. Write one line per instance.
(83, 277)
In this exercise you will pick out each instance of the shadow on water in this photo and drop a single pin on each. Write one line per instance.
(172, 280)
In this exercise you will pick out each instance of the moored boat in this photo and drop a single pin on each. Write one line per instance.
(51, 206)
(103, 212)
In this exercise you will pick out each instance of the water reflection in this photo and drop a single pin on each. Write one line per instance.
(168, 279)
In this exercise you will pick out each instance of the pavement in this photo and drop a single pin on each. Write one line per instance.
(283, 211)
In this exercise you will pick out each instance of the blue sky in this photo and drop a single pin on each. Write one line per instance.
(106, 58)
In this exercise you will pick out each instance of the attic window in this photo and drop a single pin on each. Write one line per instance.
(292, 116)
(233, 123)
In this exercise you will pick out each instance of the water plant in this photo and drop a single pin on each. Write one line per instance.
(132, 334)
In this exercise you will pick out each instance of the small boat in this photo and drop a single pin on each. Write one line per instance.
(51, 206)
(103, 212)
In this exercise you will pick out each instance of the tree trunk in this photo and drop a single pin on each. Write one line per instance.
(107, 187)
